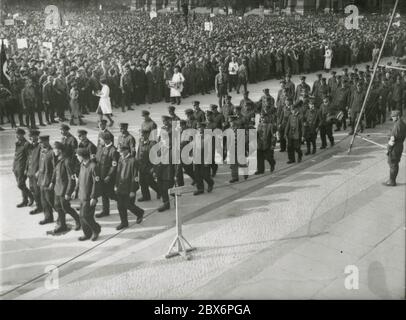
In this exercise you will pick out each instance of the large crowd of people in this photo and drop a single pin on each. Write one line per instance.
(106, 60)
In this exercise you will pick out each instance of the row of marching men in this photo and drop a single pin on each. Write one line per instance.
(70, 169)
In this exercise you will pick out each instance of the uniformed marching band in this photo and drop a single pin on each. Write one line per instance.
(70, 170)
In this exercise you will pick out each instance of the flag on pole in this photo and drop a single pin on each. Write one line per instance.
(4, 76)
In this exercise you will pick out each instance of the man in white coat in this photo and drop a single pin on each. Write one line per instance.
(176, 86)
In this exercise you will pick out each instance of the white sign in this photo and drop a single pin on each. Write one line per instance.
(100, 7)
(153, 14)
(230, 11)
(22, 43)
(15, 15)
(321, 30)
(9, 22)
(267, 11)
(208, 26)
(221, 11)
(47, 45)
(66, 23)
(211, 15)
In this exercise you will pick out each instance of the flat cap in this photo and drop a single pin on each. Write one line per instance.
(166, 118)
(20, 131)
(82, 132)
(105, 136)
(145, 113)
(58, 145)
(171, 108)
(188, 111)
(104, 121)
(34, 133)
(123, 125)
(213, 106)
(83, 152)
(65, 127)
(196, 103)
(44, 138)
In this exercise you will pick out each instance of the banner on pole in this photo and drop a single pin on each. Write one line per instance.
(9, 22)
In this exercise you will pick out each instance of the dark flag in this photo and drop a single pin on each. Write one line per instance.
(4, 76)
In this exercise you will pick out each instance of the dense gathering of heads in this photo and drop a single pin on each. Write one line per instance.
(102, 60)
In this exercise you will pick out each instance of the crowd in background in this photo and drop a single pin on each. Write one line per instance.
(102, 45)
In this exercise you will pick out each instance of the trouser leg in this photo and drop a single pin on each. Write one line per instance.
(206, 175)
(291, 150)
(260, 161)
(122, 206)
(323, 136)
(146, 195)
(67, 208)
(61, 220)
(21, 178)
(198, 171)
(47, 203)
(34, 188)
(89, 224)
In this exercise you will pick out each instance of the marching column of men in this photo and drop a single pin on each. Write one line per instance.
(69, 170)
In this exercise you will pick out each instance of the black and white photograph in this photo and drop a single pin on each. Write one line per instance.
(202, 150)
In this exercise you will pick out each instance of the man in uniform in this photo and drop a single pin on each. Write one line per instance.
(294, 134)
(290, 86)
(86, 143)
(220, 85)
(202, 170)
(32, 169)
(126, 139)
(395, 147)
(19, 167)
(164, 171)
(63, 184)
(302, 90)
(265, 144)
(126, 186)
(146, 179)
(103, 128)
(148, 124)
(283, 116)
(355, 105)
(70, 145)
(341, 102)
(107, 159)
(188, 168)
(172, 114)
(311, 122)
(88, 190)
(191, 122)
(236, 123)
(227, 111)
(327, 117)
(45, 172)
(218, 118)
(198, 113)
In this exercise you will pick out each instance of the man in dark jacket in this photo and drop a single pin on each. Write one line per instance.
(126, 186)
(311, 124)
(88, 190)
(63, 184)
(265, 144)
(45, 172)
(107, 160)
(395, 147)
(294, 134)
(22, 147)
(32, 169)
(86, 143)
(146, 179)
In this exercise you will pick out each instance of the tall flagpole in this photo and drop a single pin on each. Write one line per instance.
(373, 76)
